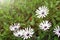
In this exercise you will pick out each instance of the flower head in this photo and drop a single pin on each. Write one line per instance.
(42, 12)
(57, 31)
(45, 25)
(28, 33)
(15, 27)
(19, 33)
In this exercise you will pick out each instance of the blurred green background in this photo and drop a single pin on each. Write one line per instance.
(20, 11)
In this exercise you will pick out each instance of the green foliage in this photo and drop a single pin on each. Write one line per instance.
(21, 11)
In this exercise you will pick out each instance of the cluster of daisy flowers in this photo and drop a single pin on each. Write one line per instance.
(45, 25)
(42, 12)
(28, 32)
(23, 33)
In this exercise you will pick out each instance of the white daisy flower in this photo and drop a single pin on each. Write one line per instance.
(15, 27)
(45, 25)
(28, 33)
(19, 33)
(42, 12)
(57, 31)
